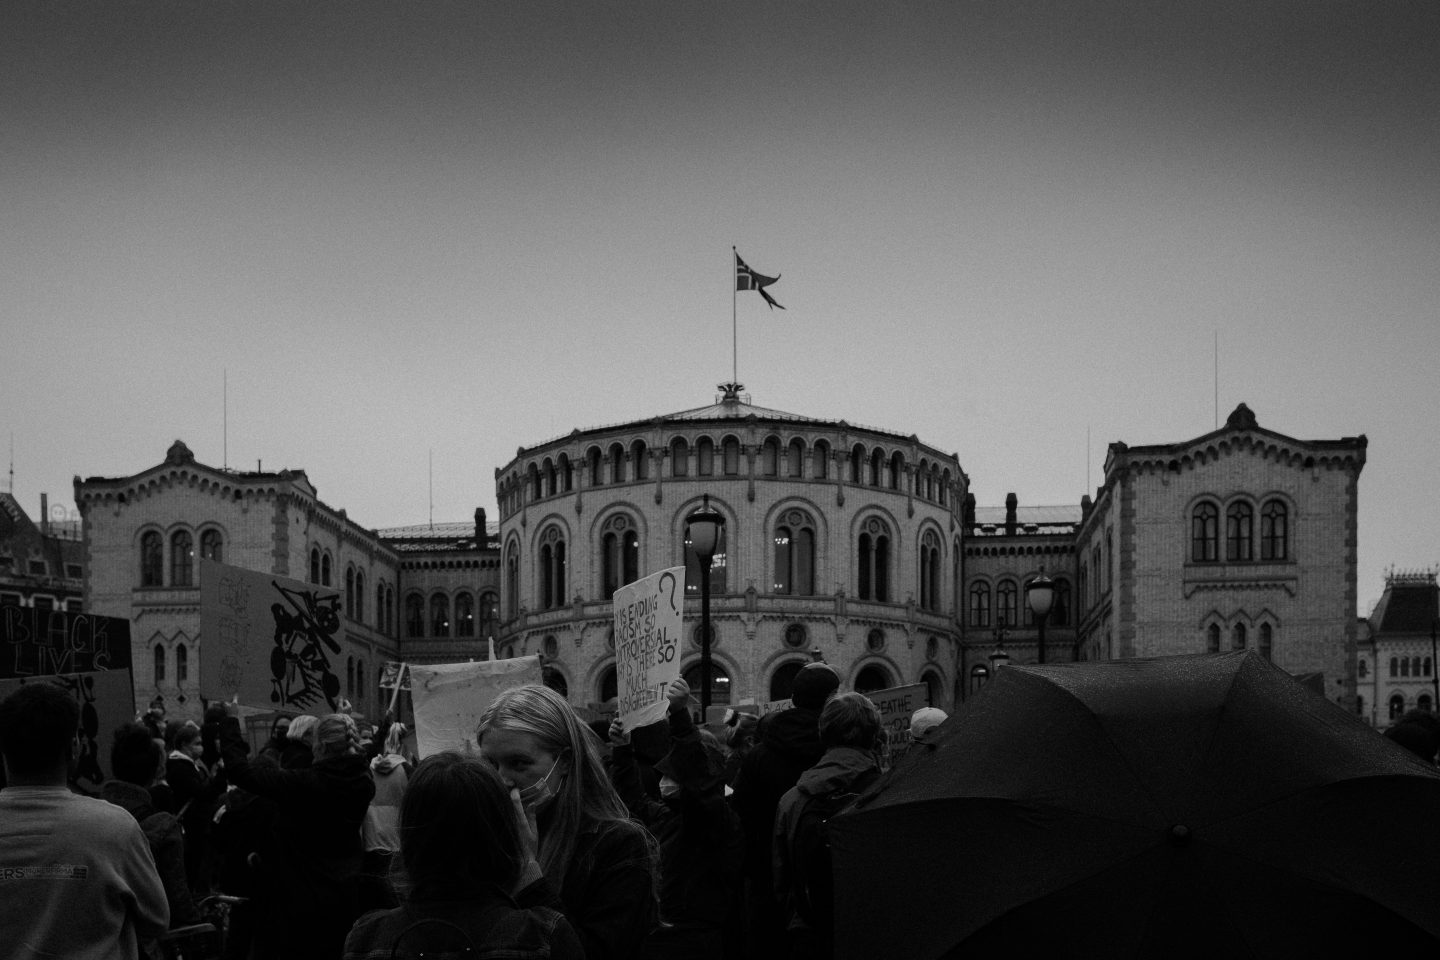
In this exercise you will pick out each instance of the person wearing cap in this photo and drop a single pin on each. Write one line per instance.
(701, 845)
(789, 745)
(923, 723)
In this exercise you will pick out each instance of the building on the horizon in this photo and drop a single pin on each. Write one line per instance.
(861, 545)
(1395, 658)
(41, 565)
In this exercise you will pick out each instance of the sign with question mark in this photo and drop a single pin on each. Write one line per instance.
(648, 615)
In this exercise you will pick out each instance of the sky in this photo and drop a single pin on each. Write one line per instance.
(391, 243)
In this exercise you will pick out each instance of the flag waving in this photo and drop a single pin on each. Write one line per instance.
(747, 279)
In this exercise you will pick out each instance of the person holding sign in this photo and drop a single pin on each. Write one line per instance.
(598, 864)
(701, 846)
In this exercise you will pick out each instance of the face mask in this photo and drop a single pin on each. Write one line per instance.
(540, 791)
(669, 788)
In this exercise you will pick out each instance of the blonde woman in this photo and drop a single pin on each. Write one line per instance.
(597, 864)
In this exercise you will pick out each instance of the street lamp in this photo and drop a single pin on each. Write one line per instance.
(998, 657)
(1040, 594)
(703, 529)
(1434, 665)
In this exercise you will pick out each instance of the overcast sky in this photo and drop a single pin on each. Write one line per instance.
(400, 228)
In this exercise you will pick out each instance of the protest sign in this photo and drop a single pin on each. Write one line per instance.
(86, 655)
(268, 639)
(647, 644)
(450, 697)
(896, 704)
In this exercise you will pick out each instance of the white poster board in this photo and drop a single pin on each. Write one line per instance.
(896, 704)
(648, 615)
(450, 697)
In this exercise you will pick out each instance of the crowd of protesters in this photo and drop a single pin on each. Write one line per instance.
(559, 839)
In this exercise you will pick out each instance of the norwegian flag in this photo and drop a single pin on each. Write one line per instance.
(748, 279)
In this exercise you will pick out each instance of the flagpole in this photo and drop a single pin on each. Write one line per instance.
(734, 337)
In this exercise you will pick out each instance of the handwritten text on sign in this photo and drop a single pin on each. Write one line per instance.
(648, 614)
(36, 642)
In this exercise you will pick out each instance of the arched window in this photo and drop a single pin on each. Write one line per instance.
(390, 610)
(537, 489)
(1267, 642)
(719, 683)
(489, 614)
(979, 604)
(1060, 606)
(595, 465)
(314, 564)
(619, 555)
(439, 615)
(414, 615)
(770, 457)
(1212, 639)
(1274, 531)
(567, 473)
(182, 559)
(152, 560)
(1239, 636)
(159, 664)
(857, 463)
(1006, 597)
(877, 467)
(1415, 666)
(1239, 531)
(679, 457)
(1204, 533)
(1363, 669)
(979, 675)
(464, 615)
(784, 678)
(641, 457)
(795, 555)
(719, 564)
(820, 461)
(512, 582)
(349, 591)
(1427, 667)
(1394, 667)
(871, 678)
(934, 686)
(182, 664)
(705, 457)
(731, 454)
(212, 546)
(1404, 666)
(930, 571)
(795, 458)
(1397, 706)
(617, 463)
(360, 595)
(873, 567)
(552, 569)
(325, 569)
(381, 623)
(547, 469)
(895, 475)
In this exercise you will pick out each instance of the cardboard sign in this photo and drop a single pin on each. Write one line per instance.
(896, 704)
(648, 614)
(450, 698)
(89, 657)
(269, 640)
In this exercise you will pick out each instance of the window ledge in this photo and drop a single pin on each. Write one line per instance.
(1249, 575)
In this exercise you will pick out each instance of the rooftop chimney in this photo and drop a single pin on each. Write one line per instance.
(480, 538)
(1011, 502)
(45, 514)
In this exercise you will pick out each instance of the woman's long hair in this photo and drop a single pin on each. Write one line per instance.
(458, 830)
(586, 800)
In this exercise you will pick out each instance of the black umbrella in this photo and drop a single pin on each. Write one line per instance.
(1184, 806)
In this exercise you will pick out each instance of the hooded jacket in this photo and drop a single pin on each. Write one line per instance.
(381, 830)
(167, 845)
(789, 745)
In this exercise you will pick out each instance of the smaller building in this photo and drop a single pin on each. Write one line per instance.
(41, 565)
(1395, 655)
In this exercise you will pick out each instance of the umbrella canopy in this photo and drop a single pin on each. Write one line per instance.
(1184, 806)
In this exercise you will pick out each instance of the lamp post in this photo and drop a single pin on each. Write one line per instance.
(1040, 594)
(702, 529)
(1434, 665)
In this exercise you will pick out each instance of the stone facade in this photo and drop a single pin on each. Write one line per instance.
(1395, 659)
(1275, 568)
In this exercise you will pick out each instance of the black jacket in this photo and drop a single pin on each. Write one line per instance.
(789, 745)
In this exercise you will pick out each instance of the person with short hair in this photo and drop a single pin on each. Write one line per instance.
(463, 863)
(598, 864)
(850, 731)
(308, 885)
(77, 879)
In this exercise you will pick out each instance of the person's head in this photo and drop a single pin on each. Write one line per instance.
(740, 731)
(302, 729)
(280, 728)
(335, 736)
(706, 773)
(214, 713)
(395, 738)
(813, 685)
(924, 720)
(187, 740)
(37, 734)
(537, 744)
(1416, 736)
(458, 829)
(134, 756)
(849, 720)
